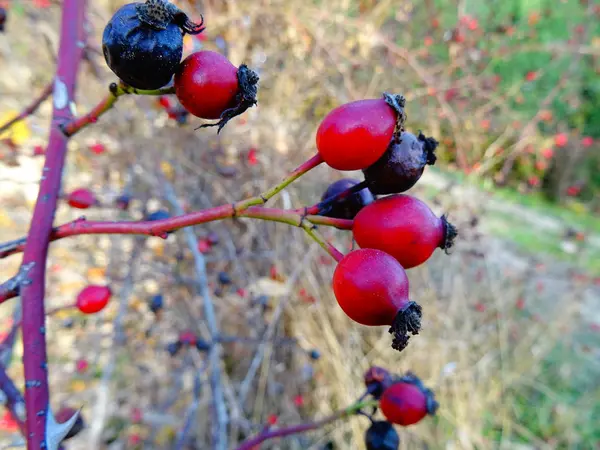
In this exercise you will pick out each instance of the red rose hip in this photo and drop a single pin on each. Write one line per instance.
(407, 402)
(355, 135)
(81, 198)
(404, 227)
(371, 287)
(210, 87)
(93, 299)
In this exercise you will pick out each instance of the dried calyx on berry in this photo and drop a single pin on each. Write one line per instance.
(381, 435)
(402, 164)
(143, 42)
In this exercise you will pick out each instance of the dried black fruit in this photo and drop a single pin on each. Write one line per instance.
(346, 207)
(381, 435)
(402, 164)
(3, 16)
(143, 42)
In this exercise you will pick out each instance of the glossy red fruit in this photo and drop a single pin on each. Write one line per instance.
(407, 402)
(404, 227)
(355, 135)
(372, 289)
(81, 198)
(210, 87)
(206, 84)
(93, 299)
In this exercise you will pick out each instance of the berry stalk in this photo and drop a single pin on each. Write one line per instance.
(32, 108)
(263, 198)
(352, 410)
(36, 249)
(116, 91)
(312, 231)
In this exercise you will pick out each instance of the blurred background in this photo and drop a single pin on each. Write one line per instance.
(511, 331)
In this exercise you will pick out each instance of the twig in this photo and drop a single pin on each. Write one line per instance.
(255, 442)
(12, 399)
(220, 428)
(162, 227)
(116, 91)
(36, 249)
(10, 288)
(190, 416)
(32, 108)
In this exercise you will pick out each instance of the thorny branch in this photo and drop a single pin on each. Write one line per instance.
(42, 430)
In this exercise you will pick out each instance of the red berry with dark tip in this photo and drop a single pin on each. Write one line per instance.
(355, 135)
(209, 86)
(206, 84)
(346, 208)
(372, 289)
(402, 164)
(407, 402)
(404, 227)
(93, 299)
(81, 198)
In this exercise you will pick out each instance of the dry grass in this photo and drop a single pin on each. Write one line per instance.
(504, 376)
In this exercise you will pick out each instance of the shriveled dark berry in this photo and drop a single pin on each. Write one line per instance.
(345, 207)
(173, 348)
(224, 278)
(156, 303)
(314, 354)
(143, 42)
(202, 345)
(158, 215)
(402, 164)
(122, 202)
(377, 379)
(381, 435)
(3, 16)
(213, 238)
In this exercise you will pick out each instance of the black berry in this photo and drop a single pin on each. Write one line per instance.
(202, 345)
(382, 436)
(2, 19)
(348, 207)
(158, 215)
(143, 42)
(224, 278)
(156, 303)
(314, 354)
(401, 165)
(173, 348)
(122, 202)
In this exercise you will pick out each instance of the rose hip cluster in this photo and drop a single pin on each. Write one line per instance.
(396, 232)
(403, 401)
(143, 46)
